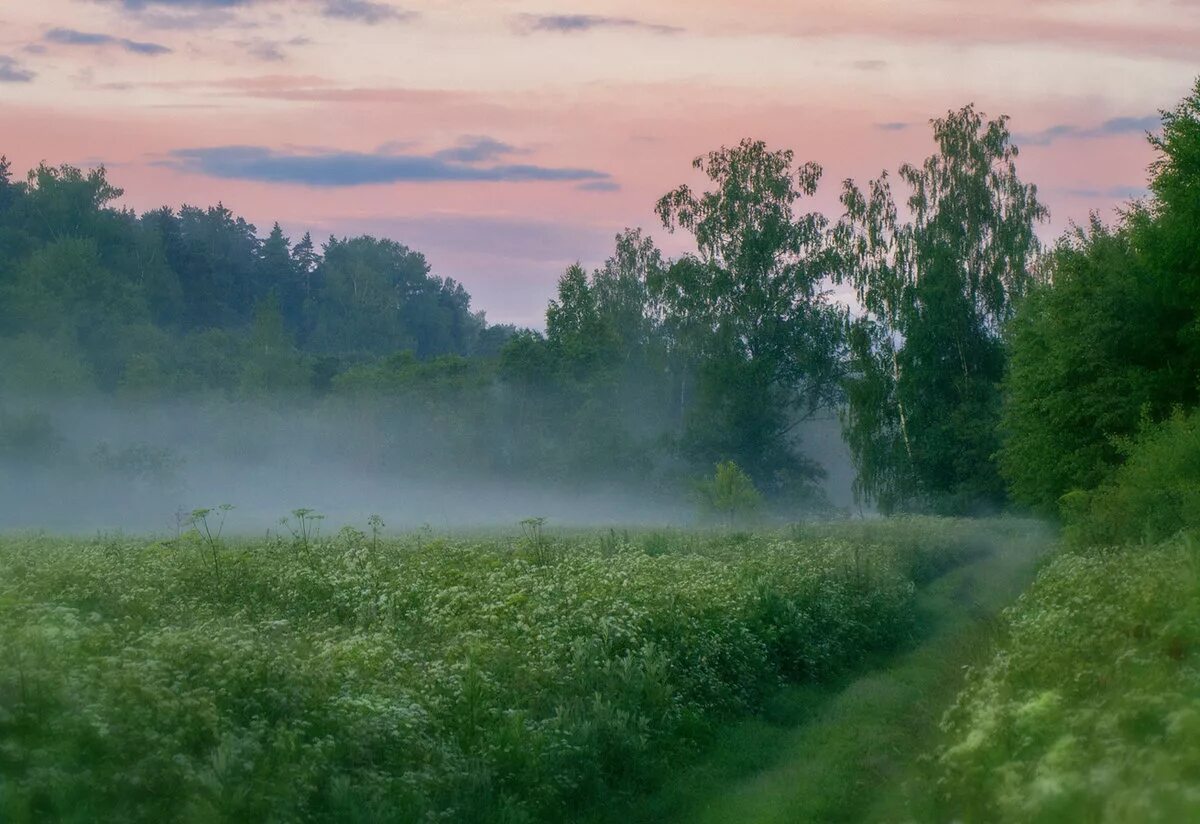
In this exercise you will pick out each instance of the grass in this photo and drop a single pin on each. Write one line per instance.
(852, 749)
(1090, 711)
(483, 678)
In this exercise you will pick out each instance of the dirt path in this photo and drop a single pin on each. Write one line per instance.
(852, 751)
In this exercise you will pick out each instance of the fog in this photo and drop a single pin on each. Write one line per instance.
(102, 465)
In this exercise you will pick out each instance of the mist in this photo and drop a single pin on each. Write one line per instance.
(99, 464)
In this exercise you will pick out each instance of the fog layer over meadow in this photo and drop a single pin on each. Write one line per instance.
(100, 464)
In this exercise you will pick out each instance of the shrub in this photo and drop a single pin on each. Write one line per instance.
(1152, 496)
(1090, 711)
(729, 493)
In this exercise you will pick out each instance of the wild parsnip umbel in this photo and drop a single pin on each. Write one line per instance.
(198, 520)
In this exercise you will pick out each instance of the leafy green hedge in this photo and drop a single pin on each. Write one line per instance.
(489, 679)
(1091, 709)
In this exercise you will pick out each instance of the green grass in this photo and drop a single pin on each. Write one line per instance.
(1091, 709)
(852, 749)
(488, 678)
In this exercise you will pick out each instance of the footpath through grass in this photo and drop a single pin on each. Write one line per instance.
(855, 750)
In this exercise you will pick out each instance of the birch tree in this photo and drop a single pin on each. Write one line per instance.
(936, 285)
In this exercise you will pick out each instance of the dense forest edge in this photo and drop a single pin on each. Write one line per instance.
(196, 677)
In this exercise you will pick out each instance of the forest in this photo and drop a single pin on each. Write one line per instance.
(1023, 582)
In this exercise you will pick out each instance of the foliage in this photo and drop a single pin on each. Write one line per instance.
(1113, 337)
(1088, 360)
(926, 355)
(1153, 495)
(446, 679)
(94, 279)
(729, 493)
(752, 307)
(1091, 709)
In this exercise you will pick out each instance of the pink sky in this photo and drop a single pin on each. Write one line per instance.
(577, 117)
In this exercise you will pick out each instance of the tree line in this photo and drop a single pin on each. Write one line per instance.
(975, 368)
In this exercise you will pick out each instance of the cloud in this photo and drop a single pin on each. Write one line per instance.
(966, 24)
(139, 5)
(1125, 125)
(183, 15)
(870, 65)
(13, 72)
(364, 11)
(331, 168)
(576, 23)
(72, 37)
(599, 186)
(476, 150)
(202, 13)
(270, 50)
(1109, 128)
(892, 126)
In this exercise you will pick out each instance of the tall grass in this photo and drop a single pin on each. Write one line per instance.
(502, 679)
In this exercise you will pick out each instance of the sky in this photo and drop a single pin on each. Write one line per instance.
(507, 139)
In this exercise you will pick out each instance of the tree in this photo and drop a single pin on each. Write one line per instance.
(1113, 339)
(927, 353)
(215, 254)
(1167, 233)
(277, 275)
(729, 492)
(306, 260)
(751, 304)
(271, 363)
(8, 189)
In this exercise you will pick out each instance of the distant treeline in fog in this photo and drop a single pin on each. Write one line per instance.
(976, 366)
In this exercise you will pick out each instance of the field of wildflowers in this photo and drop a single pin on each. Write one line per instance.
(466, 678)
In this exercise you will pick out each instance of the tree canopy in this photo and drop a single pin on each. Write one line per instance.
(927, 354)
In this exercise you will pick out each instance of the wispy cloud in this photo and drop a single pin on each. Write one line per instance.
(973, 24)
(13, 72)
(201, 13)
(1109, 128)
(870, 65)
(476, 150)
(270, 50)
(183, 15)
(139, 5)
(892, 126)
(364, 11)
(599, 186)
(72, 37)
(333, 169)
(577, 23)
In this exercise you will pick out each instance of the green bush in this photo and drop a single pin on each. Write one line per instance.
(1152, 496)
(451, 680)
(1091, 709)
(729, 493)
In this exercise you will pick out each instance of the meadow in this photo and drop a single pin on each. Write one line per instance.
(1090, 710)
(467, 678)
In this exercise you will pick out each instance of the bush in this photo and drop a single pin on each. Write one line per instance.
(1152, 496)
(1091, 709)
(729, 493)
